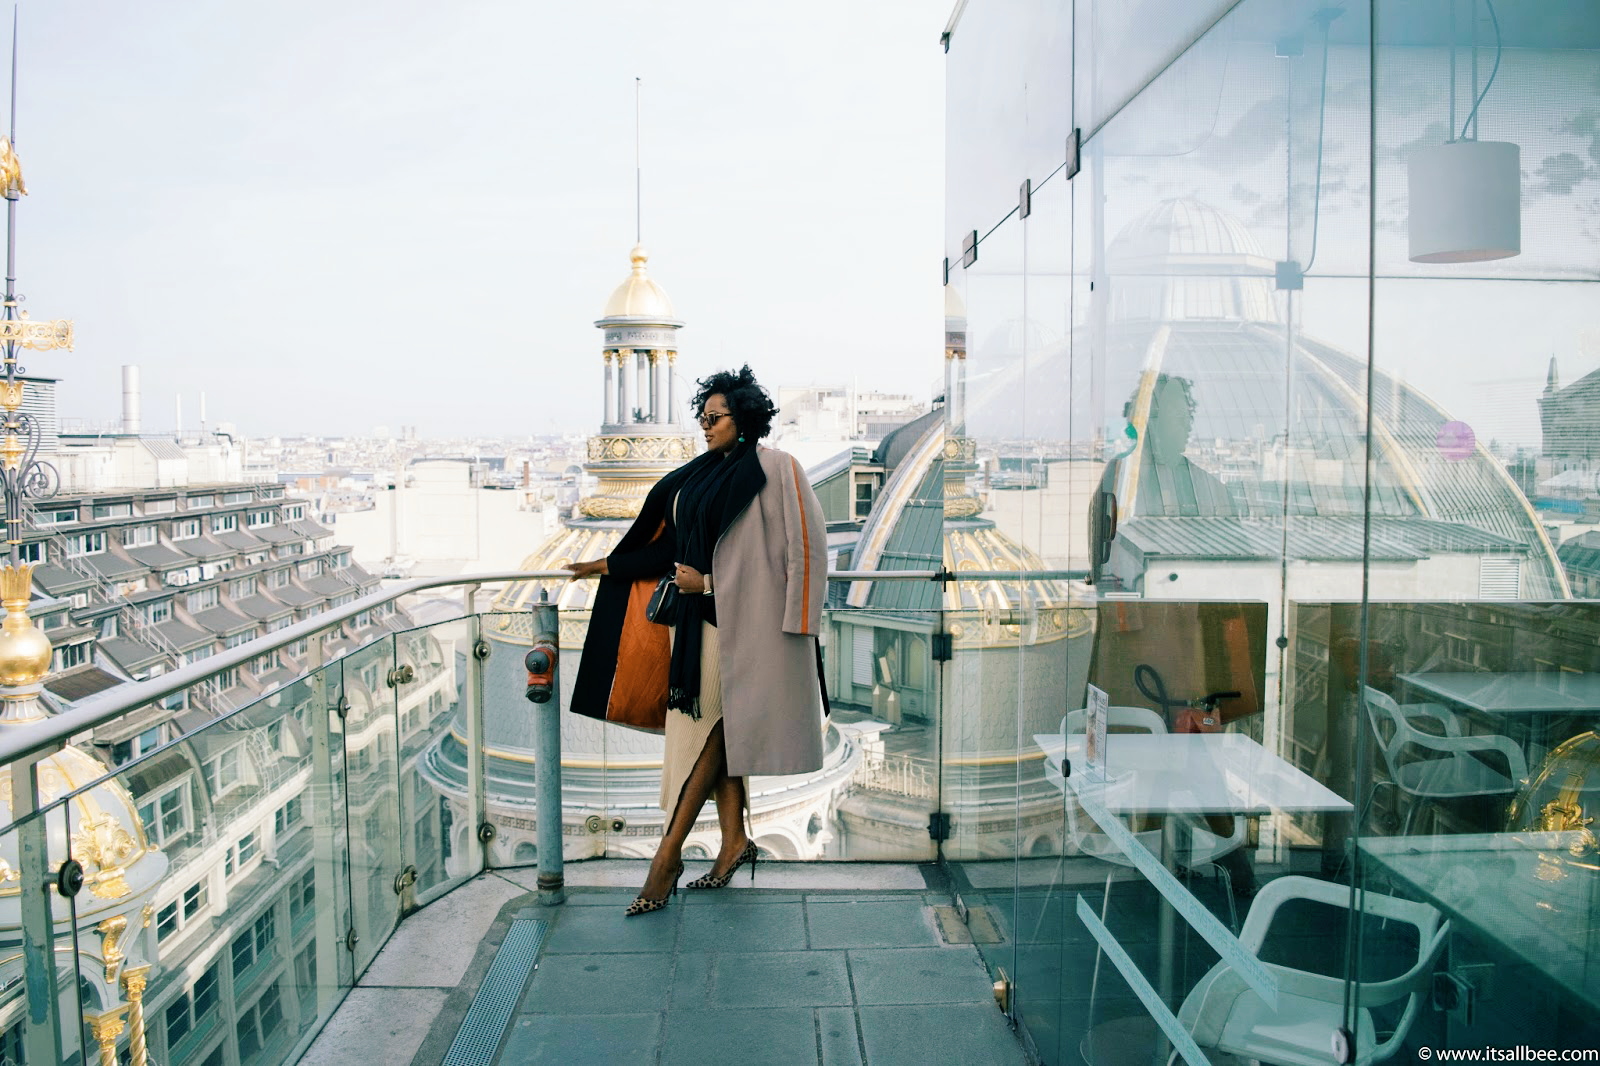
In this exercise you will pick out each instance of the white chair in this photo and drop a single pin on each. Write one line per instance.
(1427, 765)
(1224, 1013)
(1205, 847)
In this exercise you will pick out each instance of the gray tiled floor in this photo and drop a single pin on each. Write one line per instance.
(804, 972)
(812, 978)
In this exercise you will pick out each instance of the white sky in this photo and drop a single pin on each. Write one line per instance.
(333, 215)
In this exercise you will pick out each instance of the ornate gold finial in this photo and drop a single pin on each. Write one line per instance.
(11, 184)
(639, 257)
(24, 649)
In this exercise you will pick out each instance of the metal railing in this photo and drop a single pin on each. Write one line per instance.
(23, 748)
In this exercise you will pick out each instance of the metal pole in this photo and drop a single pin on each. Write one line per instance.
(547, 765)
(477, 809)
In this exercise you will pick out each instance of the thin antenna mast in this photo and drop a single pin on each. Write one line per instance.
(638, 168)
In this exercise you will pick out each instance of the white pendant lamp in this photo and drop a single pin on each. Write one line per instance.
(1465, 202)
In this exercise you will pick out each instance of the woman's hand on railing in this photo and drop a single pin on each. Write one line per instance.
(591, 568)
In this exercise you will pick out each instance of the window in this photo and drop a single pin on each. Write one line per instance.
(56, 516)
(204, 599)
(166, 815)
(160, 611)
(280, 623)
(249, 847)
(86, 544)
(254, 943)
(288, 816)
(303, 895)
(256, 557)
(69, 655)
(258, 1024)
(245, 586)
(110, 625)
(112, 510)
(188, 529)
(224, 523)
(228, 678)
(222, 772)
(272, 492)
(235, 497)
(311, 569)
(139, 536)
(263, 663)
(191, 1007)
(239, 638)
(195, 898)
(162, 506)
(294, 512)
(176, 916)
(32, 553)
(259, 519)
(195, 503)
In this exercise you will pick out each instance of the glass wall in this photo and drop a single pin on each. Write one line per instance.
(1282, 358)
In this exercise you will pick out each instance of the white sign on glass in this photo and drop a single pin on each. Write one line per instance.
(1094, 740)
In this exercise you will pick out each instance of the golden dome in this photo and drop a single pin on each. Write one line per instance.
(639, 296)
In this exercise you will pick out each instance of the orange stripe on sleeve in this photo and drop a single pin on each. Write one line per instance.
(805, 535)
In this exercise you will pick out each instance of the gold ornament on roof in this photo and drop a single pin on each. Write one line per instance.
(107, 848)
(111, 954)
(24, 649)
(11, 183)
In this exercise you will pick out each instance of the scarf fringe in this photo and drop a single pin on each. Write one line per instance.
(685, 701)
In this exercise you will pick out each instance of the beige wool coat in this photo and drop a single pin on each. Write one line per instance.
(770, 575)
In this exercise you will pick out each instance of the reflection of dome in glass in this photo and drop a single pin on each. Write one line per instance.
(1278, 421)
(1185, 260)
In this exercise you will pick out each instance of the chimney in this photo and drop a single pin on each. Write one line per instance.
(130, 399)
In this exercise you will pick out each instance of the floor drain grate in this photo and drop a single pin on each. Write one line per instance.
(479, 1036)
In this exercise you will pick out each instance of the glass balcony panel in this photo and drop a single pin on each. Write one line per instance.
(372, 802)
(75, 983)
(1121, 50)
(880, 750)
(430, 707)
(1008, 92)
(1474, 696)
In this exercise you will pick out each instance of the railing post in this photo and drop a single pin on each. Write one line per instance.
(42, 1034)
(477, 808)
(547, 758)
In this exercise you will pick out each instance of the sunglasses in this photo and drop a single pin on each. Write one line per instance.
(711, 418)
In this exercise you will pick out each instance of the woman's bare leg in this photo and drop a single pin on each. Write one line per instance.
(729, 793)
(709, 768)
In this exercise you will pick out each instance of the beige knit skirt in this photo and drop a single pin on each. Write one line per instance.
(686, 736)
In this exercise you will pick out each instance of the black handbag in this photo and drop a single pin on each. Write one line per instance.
(663, 606)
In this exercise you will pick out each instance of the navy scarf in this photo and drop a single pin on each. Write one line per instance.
(715, 492)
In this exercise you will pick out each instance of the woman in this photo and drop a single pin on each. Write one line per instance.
(743, 537)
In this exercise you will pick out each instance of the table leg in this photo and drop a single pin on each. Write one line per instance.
(1166, 926)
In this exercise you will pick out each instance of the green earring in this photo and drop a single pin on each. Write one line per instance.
(741, 438)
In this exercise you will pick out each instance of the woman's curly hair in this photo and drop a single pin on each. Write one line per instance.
(752, 409)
